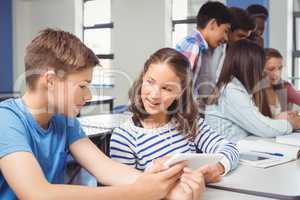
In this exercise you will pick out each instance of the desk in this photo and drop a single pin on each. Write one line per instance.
(96, 100)
(215, 194)
(279, 182)
(98, 128)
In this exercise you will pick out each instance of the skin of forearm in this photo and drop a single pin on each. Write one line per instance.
(73, 192)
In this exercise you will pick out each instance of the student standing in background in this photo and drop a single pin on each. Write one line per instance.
(260, 14)
(213, 25)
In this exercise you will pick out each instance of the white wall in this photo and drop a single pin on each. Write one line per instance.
(140, 28)
(280, 30)
(31, 16)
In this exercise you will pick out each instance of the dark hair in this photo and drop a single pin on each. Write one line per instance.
(245, 61)
(240, 19)
(256, 10)
(184, 110)
(272, 53)
(59, 50)
(213, 10)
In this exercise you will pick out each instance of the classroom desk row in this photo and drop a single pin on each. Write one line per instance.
(277, 182)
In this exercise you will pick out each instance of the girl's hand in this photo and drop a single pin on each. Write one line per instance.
(295, 121)
(286, 115)
(212, 173)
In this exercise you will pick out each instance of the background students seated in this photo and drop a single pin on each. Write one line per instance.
(166, 119)
(281, 94)
(238, 103)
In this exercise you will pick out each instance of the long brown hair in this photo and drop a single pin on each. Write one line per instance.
(245, 61)
(183, 110)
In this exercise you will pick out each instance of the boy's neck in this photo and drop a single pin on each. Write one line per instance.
(204, 34)
(38, 107)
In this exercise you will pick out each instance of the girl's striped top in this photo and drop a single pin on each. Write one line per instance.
(137, 147)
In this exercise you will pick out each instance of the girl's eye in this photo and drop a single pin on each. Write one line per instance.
(167, 89)
(150, 81)
(82, 86)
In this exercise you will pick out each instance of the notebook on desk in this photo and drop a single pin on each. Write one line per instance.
(263, 154)
(291, 139)
(104, 121)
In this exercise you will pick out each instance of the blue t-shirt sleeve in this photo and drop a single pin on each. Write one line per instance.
(13, 134)
(74, 131)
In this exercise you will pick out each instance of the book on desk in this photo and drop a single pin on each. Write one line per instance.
(261, 153)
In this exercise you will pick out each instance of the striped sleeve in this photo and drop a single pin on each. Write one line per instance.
(122, 147)
(209, 141)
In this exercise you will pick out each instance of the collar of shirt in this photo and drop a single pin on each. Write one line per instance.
(200, 40)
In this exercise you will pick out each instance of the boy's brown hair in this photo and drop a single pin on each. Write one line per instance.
(58, 50)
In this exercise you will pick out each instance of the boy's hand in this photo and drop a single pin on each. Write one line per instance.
(190, 187)
(158, 180)
(212, 173)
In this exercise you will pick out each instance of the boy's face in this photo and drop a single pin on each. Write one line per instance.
(70, 94)
(260, 25)
(238, 34)
(217, 34)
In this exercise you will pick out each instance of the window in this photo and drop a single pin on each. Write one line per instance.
(97, 28)
(294, 74)
(184, 14)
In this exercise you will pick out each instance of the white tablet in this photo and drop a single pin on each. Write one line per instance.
(195, 160)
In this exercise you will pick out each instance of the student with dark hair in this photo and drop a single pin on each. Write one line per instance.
(213, 24)
(238, 103)
(241, 26)
(281, 94)
(260, 14)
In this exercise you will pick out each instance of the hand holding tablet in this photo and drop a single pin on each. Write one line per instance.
(195, 160)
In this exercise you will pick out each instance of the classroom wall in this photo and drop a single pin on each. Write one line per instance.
(31, 16)
(140, 28)
(6, 46)
(280, 30)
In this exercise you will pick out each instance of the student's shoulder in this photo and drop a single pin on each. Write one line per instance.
(127, 129)
(10, 110)
(187, 41)
(234, 86)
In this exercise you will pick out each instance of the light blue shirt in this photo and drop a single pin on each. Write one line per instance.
(20, 132)
(236, 115)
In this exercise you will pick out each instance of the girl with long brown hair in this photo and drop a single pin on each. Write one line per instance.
(166, 119)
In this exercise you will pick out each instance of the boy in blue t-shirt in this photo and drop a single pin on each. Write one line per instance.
(39, 130)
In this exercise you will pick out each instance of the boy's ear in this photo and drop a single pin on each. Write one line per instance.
(212, 24)
(50, 78)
